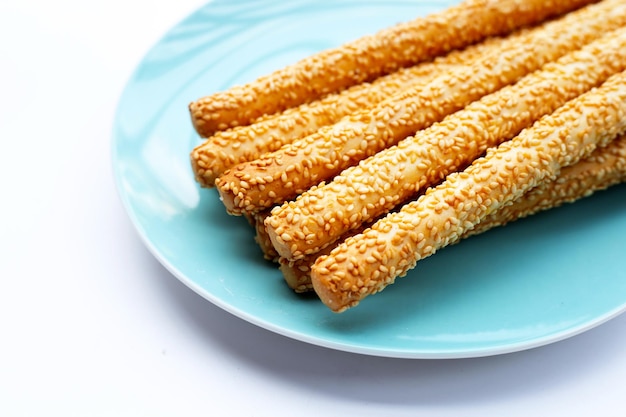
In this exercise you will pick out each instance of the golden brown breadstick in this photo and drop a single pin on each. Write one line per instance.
(262, 238)
(366, 58)
(284, 174)
(604, 168)
(297, 274)
(368, 262)
(229, 147)
(372, 188)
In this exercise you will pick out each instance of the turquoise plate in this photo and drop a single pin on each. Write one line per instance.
(534, 282)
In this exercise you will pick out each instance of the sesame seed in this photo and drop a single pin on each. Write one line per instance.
(402, 253)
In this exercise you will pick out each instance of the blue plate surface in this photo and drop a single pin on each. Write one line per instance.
(534, 282)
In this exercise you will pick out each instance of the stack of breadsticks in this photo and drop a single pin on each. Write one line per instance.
(357, 162)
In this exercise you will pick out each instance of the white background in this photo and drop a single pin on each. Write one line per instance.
(92, 325)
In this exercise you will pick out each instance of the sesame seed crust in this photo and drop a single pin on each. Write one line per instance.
(262, 238)
(398, 241)
(379, 183)
(282, 175)
(269, 133)
(245, 143)
(297, 274)
(604, 168)
(366, 58)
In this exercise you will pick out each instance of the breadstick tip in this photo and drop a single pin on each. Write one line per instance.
(326, 289)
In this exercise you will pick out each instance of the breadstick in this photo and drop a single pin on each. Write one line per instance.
(368, 262)
(370, 189)
(282, 175)
(366, 58)
(229, 147)
(297, 274)
(262, 238)
(603, 169)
